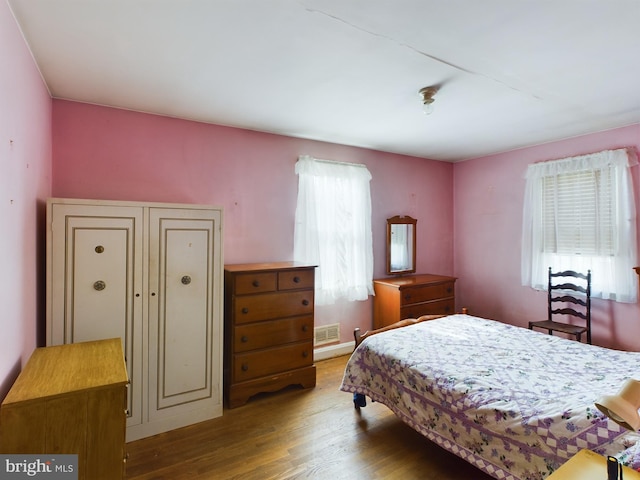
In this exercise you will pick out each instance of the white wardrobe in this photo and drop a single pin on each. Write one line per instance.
(150, 274)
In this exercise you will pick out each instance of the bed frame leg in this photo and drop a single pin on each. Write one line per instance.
(359, 401)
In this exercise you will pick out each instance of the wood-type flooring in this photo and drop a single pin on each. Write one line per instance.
(297, 434)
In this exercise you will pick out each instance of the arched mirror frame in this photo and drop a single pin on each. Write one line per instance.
(394, 226)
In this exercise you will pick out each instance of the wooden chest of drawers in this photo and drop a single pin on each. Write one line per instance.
(268, 328)
(411, 296)
(70, 399)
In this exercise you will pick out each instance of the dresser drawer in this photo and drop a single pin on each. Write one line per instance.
(295, 279)
(272, 333)
(248, 283)
(424, 293)
(272, 361)
(253, 308)
(438, 307)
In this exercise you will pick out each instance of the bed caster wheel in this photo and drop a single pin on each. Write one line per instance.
(359, 401)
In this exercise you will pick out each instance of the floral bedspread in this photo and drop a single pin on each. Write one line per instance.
(513, 402)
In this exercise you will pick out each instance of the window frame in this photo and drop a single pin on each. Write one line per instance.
(610, 259)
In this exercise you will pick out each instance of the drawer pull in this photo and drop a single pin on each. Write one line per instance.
(255, 283)
(305, 328)
(245, 310)
(186, 280)
(407, 297)
(305, 354)
(296, 279)
(305, 302)
(99, 285)
(449, 290)
(245, 367)
(244, 339)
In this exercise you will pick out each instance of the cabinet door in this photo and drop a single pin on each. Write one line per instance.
(185, 296)
(95, 282)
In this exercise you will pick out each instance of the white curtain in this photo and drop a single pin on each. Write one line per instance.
(613, 277)
(333, 228)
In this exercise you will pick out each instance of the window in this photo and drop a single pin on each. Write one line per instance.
(333, 228)
(579, 214)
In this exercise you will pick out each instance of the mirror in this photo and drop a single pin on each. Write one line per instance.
(401, 245)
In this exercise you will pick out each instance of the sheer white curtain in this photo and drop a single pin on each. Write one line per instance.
(579, 214)
(333, 228)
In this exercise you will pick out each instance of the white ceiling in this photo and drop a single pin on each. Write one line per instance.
(512, 73)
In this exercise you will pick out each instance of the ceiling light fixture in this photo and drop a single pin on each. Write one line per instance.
(427, 94)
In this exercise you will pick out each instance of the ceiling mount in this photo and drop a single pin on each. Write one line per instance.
(427, 93)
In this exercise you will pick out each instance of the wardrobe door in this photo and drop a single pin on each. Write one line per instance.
(95, 282)
(185, 311)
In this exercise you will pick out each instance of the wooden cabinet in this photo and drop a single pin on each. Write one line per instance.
(70, 399)
(150, 274)
(411, 296)
(268, 328)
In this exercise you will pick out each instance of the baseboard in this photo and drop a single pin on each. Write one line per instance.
(330, 351)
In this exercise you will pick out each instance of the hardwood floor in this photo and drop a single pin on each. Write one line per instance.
(296, 434)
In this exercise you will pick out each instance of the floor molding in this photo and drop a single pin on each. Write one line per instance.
(331, 351)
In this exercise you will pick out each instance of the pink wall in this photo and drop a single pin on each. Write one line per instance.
(106, 153)
(488, 199)
(25, 182)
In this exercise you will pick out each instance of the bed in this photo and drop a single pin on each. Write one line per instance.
(513, 402)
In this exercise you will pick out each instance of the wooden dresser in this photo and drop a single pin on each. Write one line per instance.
(268, 328)
(411, 296)
(70, 399)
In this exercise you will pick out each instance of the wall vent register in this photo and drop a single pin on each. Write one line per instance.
(326, 334)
